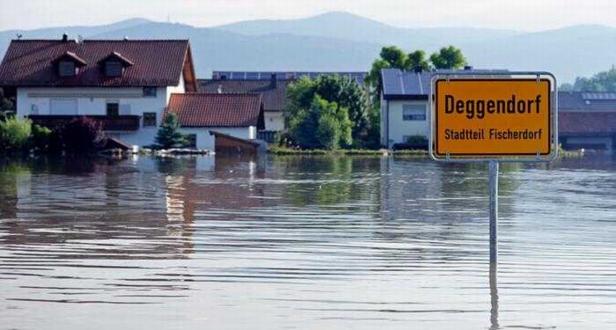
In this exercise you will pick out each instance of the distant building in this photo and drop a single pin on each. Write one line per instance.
(272, 85)
(203, 116)
(587, 120)
(124, 84)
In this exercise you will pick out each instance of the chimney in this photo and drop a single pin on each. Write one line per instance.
(468, 67)
(273, 81)
(219, 89)
(64, 37)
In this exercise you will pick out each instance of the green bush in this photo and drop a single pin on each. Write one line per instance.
(417, 140)
(41, 137)
(14, 133)
(323, 125)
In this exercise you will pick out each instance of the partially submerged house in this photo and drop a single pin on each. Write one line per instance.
(124, 84)
(587, 120)
(209, 117)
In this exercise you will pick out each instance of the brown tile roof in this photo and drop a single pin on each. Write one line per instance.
(217, 110)
(155, 62)
(586, 123)
(274, 98)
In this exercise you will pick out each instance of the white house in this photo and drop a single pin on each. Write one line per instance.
(231, 114)
(124, 84)
(404, 105)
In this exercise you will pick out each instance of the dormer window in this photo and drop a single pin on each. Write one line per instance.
(113, 68)
(66, 68)
(115, 64)
(68, 64)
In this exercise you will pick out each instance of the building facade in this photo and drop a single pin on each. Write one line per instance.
(124, 84)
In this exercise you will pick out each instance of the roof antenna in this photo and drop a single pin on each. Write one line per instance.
(19, 35)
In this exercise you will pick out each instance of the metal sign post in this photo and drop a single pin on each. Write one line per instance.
(493, 183)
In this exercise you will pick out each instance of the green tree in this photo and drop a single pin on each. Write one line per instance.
(168, 135)
(604, 81)
(417, 60)
(389, 57)
(7, 106)
(342, 91)
(448, 58)
(14, 133)
(323, 124)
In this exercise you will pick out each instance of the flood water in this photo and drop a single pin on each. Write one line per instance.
(304, 243)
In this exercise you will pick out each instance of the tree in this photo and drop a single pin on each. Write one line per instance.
(168, 135)
(604, 81)
(342, 91)
(7, 106)
(448, 58)
(389, 57)
(417, 60)
(323, 124)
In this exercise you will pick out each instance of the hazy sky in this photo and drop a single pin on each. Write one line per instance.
(530, 15)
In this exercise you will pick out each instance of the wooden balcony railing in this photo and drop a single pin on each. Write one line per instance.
(109, 123)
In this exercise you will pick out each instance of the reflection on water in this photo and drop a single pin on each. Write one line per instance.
(304, 242)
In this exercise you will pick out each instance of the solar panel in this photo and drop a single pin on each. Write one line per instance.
(599, 96)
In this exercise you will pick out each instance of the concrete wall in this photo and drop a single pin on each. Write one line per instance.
(93, 101)
(274, 120)
(206, 141)
(394, 127)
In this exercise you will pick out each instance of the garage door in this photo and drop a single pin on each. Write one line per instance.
(63, 107)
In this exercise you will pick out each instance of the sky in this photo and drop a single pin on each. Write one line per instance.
(522, 15)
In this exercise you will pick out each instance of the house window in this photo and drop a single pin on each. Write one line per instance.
(113, 109)
(149, 91)
(113, 68)
(413, 112)
(66, 68)
(149, 119)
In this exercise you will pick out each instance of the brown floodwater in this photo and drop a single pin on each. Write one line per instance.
(304, 243)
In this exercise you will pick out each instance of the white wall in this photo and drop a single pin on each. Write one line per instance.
(399, 128)
(274, 120)
(93, 100)
(206, 141)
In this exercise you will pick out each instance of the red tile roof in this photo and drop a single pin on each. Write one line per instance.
(217, 110)
(586, 123)
(155, 62)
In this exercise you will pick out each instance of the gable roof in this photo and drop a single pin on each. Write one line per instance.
(411, 85)
(273, 96)
(155, 63)
(217, 110)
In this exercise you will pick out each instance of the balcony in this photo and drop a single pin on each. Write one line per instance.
(109, 123)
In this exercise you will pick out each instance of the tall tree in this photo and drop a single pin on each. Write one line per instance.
(448, 58)
(417, 60)
(389, 57)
